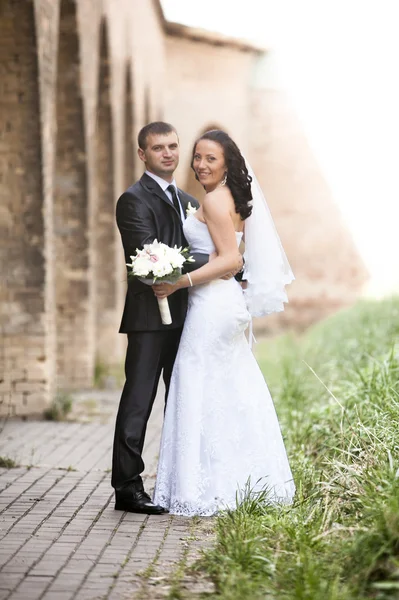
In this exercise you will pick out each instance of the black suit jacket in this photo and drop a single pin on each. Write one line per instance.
(144, 213)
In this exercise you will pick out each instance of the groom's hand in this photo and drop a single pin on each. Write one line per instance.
(238, 268)
(240, 263)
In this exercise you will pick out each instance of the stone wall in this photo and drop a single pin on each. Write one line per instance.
(75, 77)
(78, 79)
(27, 317)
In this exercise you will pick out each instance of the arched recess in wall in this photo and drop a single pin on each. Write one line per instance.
(22, 260)
(130, 162)
(193, 186)
(74, 363)
(104, 228)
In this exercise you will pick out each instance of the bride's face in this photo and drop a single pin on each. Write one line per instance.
(209, 164)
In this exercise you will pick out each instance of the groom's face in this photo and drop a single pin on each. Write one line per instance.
(161, 155)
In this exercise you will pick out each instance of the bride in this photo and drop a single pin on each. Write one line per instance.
(220, 429)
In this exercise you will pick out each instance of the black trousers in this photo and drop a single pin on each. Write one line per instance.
(148, 353)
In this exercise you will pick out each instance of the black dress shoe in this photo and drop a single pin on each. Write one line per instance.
(138, 502)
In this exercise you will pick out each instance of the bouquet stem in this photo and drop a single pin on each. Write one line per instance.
(165, 311)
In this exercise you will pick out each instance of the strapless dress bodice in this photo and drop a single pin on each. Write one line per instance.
(197, 235)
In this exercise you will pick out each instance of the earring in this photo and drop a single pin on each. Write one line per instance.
(223, 182)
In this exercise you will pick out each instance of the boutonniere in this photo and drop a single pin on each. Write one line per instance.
(191, 210)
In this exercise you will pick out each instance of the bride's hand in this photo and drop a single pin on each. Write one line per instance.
(163, 290)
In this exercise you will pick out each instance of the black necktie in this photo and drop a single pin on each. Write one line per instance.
(171, 188)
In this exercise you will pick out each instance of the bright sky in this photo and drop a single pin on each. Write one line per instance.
(339, 60)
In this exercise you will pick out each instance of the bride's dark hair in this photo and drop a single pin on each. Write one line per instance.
(238, 180)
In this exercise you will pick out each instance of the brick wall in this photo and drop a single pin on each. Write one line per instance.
(70, 106)
(78, 80)
(22, 238)
(71, 251)
(104, 225)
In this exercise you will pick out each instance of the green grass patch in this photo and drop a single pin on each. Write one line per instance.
(59, 408)
(7, 463)
(108, 376)
(336, 391)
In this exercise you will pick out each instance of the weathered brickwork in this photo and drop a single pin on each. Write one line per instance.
(23, 263)
(104, 227)
(74, 367)
(78, 79)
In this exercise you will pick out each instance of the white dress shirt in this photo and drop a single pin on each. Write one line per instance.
(164, 185)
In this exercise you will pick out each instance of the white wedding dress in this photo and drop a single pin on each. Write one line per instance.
(220, 429)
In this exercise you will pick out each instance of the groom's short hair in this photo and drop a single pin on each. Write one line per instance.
(155, 128)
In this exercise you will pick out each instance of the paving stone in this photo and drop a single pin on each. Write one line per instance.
(60, 538)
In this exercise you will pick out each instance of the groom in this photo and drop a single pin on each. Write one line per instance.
(152, 208)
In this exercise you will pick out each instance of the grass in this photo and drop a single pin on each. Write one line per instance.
(336, 391)
(108, 376)
(59, 409)
(7, 463)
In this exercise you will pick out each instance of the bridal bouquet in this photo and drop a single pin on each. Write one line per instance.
(158, 262)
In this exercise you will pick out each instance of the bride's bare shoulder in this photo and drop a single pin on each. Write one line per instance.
(219, 199)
